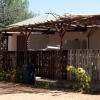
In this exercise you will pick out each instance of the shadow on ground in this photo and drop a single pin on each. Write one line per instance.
(12, 88)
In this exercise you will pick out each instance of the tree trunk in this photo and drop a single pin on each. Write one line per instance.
(59, 60)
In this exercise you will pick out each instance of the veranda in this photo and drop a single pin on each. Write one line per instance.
(52, 64)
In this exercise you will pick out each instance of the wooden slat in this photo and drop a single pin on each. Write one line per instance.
(48, 62)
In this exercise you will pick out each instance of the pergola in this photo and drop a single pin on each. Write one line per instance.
(60, 24)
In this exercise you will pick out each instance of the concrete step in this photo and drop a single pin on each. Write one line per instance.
(54, 83)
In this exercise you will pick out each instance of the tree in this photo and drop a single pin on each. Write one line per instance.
(12, 11)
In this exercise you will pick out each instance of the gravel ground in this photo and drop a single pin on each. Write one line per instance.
(11, 91)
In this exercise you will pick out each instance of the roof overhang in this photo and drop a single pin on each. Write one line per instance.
(75, 21)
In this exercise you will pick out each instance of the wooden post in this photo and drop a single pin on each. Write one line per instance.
(88, 36)
(28, 33)
(61, 29)
(88, 42)
(61, 44)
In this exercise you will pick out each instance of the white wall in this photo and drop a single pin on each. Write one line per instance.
(68, 39)
(37, 41)
(12, 43)
(95, 39)
(42, 41)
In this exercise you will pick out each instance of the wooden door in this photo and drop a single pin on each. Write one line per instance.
(21, 43)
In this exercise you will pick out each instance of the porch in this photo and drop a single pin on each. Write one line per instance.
(52, 63)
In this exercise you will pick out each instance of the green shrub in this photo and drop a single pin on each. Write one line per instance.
(12, 75)
(82, 78)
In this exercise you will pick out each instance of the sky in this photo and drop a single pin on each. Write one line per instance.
(61, 7)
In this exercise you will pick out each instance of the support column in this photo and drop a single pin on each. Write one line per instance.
(28, 33)
(61, 29)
